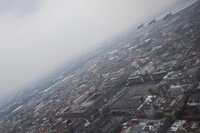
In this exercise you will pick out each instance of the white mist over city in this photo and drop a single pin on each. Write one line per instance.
(37, 36)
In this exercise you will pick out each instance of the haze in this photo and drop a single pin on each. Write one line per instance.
(38, 35)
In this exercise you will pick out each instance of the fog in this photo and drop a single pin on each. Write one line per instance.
(38, 35)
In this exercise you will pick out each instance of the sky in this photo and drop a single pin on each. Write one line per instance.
(38, 35)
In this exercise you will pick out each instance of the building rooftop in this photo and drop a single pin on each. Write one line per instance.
(142, 126)
(183, 126)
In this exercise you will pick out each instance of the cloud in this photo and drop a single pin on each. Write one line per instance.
(18, 6)
(35, 41)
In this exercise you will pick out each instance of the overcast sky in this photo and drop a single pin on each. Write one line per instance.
(38, 35)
